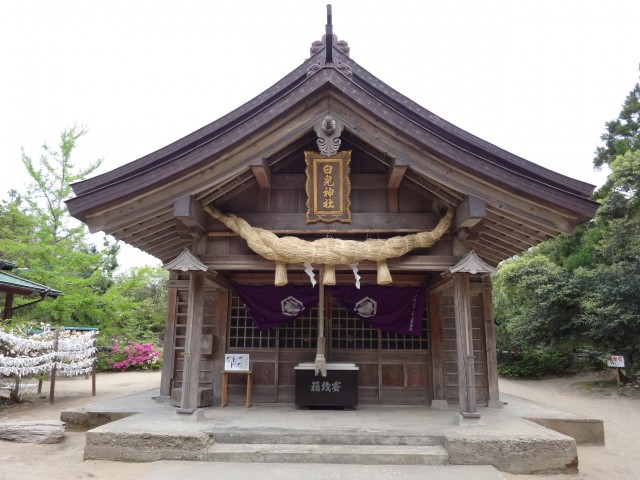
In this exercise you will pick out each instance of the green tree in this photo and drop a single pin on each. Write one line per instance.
(135, 305)
(582, 290)
(535, 302)
(16, 227)
(622, 134)
(53, 248)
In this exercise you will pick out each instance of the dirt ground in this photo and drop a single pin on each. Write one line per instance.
(618, 408)
(618, 459)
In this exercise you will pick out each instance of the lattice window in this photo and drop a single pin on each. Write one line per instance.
(394, 341)
(302, 333)
(349, 332)
(242, 333)
(299, 334)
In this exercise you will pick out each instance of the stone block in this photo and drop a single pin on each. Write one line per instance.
(205, 397)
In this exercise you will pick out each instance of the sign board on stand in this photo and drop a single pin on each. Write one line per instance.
(236, 361)
(617, 362)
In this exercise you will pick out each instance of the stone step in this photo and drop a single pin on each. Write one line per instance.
(323, 438)
(334, 454)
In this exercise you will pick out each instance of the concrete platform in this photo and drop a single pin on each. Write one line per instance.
(275, 434)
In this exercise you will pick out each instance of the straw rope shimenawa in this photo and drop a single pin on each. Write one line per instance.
(329, 251)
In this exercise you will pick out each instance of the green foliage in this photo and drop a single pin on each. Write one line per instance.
(623, 134)
(535, 301)
(38, 234)
(534, 363)
(135, 306)
(581, 291)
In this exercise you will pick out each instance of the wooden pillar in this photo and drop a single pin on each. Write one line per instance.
(191, 373)
(169, 339)
(490, 347)
(8, 306)
(436, 348)
(466, 370)
(52, 383)
(220, 339)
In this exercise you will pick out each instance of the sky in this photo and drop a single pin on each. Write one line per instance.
(537, 78)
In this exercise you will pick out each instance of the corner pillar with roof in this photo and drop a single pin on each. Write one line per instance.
(332, 172)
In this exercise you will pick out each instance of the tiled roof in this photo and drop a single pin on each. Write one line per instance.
(23, 286)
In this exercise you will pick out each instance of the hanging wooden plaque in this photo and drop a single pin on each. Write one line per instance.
(328, 187)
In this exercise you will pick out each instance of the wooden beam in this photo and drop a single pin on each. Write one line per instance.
(171, 251)
(294, 223)
(435, 344)
(169, 339)
(490, 348)
(487, 247)
(471, 211)
(518, 226)
(150, 233)
(401, 279)
(218, 280)
(157, 241)
(193, 336)
(359, 181)
(396, 173)
(145, 225)
(8, 305)
(189, 212)
(508, 232)
(406, 263)
(262, 172)
(498, 242)
(502, 239)
(492, 257)
(221, 313)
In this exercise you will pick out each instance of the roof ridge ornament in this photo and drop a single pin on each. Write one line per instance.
(328, 131)
(341, 45)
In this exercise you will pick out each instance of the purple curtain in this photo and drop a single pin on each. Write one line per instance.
(392, 309)
(270, 306)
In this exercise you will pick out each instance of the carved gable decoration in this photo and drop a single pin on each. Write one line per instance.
(472, 264)
(328, 187)
(186, 262)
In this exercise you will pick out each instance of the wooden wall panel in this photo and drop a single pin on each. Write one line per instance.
(393, 376)
(417, 375)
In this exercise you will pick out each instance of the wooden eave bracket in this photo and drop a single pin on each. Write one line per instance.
(186, 262)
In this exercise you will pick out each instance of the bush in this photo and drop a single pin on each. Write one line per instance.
(534, 363)
(132, 356)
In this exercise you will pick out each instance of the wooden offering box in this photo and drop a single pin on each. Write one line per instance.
(338, 389)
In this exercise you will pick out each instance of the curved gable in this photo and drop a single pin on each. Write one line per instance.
(505, 203)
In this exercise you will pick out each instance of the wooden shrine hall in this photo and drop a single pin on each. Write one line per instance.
(332, 221)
